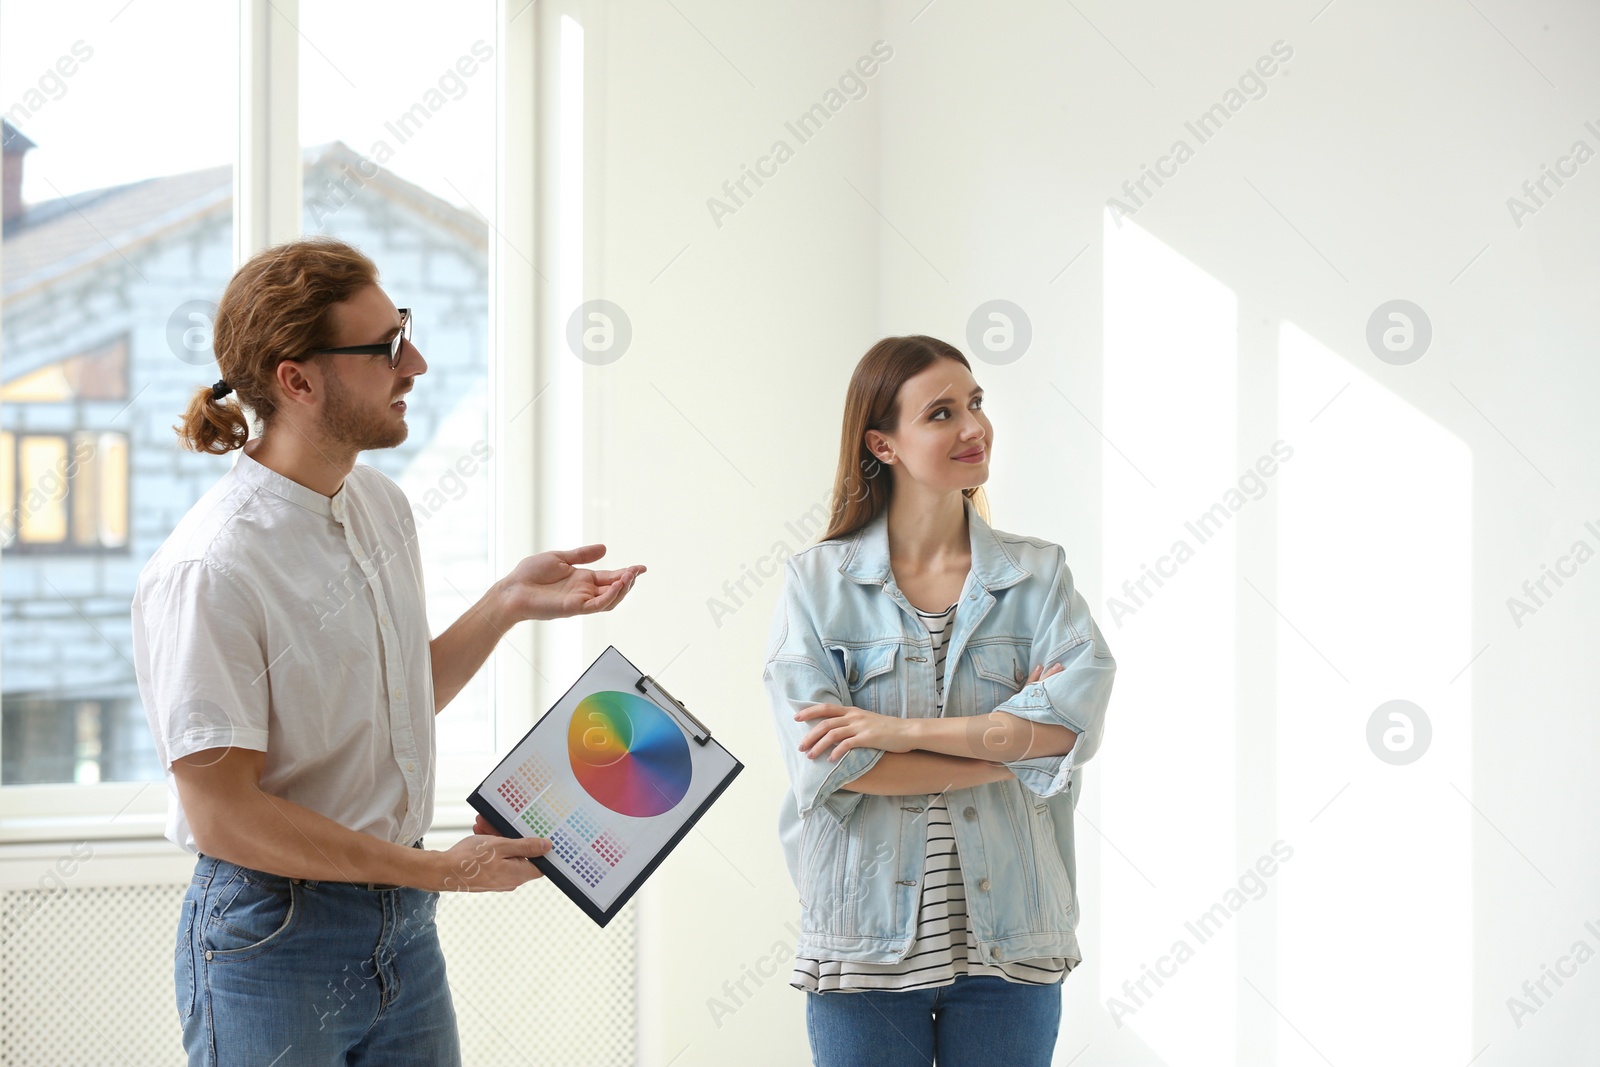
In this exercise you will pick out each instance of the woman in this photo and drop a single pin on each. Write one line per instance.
(934, 757)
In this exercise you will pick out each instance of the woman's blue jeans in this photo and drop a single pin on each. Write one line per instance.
(979, 1021)
(279, 971)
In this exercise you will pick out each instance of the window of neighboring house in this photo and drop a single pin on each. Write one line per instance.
(63, 492)
(75, 739)
(67, 491)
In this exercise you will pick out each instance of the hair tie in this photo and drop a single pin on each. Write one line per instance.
(220, 390)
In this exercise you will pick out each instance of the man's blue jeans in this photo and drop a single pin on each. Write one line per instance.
(280, 971)
(979, 1021)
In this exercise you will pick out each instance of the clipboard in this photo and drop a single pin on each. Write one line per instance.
(615, 774)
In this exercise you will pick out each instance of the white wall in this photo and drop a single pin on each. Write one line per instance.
(1230, 312)
(716, 429)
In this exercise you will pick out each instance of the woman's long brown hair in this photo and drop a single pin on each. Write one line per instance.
(861, 486)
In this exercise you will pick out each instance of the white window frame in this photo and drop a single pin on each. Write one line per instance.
(267, 210)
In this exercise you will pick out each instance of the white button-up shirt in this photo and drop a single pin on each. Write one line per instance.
(281, 620)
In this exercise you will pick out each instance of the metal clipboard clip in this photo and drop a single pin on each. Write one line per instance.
(652, 689)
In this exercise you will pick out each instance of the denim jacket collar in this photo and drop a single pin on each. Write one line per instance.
(993, 565)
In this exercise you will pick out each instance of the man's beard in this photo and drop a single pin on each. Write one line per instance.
(346, 421)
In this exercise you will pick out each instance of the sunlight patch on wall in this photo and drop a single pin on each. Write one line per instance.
(1166, 772)
(1374, 574)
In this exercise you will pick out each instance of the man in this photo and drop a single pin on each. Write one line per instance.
(290, 681)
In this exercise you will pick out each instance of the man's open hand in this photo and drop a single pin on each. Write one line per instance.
(550, 585)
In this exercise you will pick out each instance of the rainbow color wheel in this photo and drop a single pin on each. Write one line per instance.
(628, 754)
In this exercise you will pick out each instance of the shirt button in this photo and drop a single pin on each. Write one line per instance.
(398, 694)
(412, 766)
(971, 812)
(984, 885)
(386, 623)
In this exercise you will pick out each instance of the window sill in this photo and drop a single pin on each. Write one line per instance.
(151, 827)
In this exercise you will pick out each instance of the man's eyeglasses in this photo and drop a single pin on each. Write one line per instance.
(387, 348)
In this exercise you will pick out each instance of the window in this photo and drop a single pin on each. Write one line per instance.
(398, 129)
(118, 229)
(64, 492)
(121, 229)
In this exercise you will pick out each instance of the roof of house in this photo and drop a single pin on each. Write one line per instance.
(15, 140)
(58, 238)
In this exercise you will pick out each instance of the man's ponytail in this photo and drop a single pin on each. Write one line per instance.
(211, 425)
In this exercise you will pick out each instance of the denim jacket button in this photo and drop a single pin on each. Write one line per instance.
(971, 812)
(984, 885)
(995, 952)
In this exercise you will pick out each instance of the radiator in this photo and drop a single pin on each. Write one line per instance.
(86, 978)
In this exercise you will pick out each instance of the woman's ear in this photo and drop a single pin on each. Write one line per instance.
(879, 446)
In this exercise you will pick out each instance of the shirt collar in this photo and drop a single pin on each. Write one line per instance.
(251, 472)
(993, 565)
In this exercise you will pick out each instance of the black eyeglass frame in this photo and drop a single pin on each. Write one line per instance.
(387, 348)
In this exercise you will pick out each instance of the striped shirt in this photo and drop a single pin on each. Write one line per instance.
(944, 945)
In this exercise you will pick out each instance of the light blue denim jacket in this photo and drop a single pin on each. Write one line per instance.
(845, 634)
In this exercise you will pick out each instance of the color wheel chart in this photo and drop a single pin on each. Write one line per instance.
(614, 775)
(627, 754)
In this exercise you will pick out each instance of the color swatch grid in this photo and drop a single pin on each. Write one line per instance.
(611, 849)
(575, 828)
(513, 794)
(535, 774)
(577, 857)
(538, 822)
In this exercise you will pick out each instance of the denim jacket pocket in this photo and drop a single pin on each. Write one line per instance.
(1057, 895)
(809, 830)
(999, 670)
(870, 676)
(826, 873)
(247, 915)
